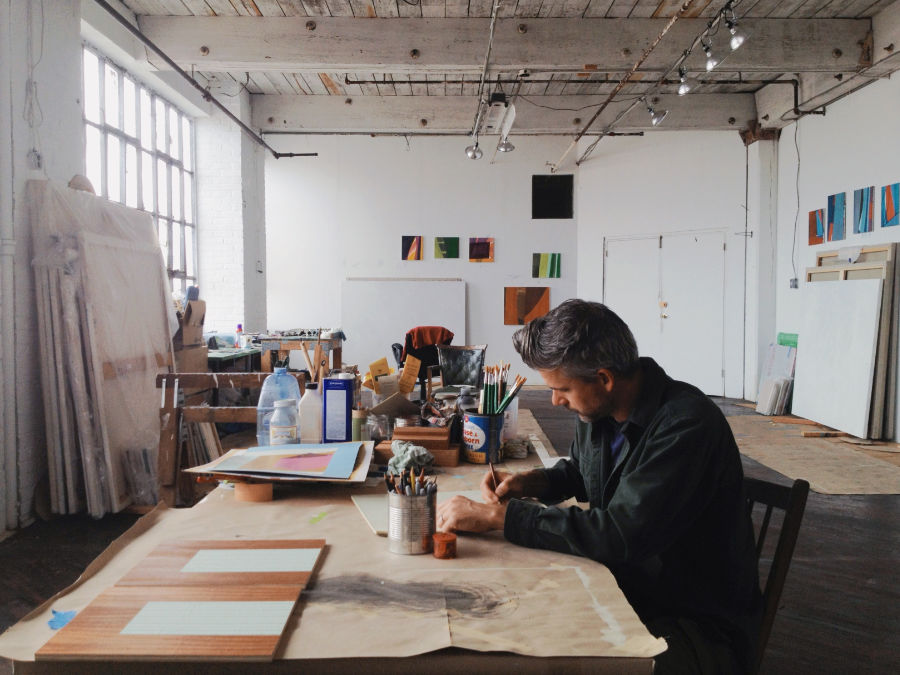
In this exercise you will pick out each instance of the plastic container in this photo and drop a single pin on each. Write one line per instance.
(511, 420)
(310, 409)
(277, 386)
(283, 423)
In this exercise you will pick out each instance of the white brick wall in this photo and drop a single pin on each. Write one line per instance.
(229, 217)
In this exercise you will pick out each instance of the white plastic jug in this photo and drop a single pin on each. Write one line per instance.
(277, 386)
(311, 415)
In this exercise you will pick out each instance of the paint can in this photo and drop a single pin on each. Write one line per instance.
(444, 545)
(411, 523)
(482, 436)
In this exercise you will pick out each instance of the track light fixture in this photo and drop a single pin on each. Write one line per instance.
(686, 83)
(656, 116)
(738, 37)
(505, 146)
(473, 151)
(711, 61)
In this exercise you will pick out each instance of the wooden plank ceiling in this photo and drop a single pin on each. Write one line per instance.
(413, 66)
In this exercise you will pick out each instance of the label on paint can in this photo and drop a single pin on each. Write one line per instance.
(482, 437)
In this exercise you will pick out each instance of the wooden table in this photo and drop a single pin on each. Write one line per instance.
(500, 608)
(282, 347)
(242, 360)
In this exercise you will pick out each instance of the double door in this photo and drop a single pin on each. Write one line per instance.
(670, 290)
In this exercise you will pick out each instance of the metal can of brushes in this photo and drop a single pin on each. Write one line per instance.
(411, 523)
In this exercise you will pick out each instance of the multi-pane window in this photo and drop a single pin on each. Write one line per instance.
(139, 150)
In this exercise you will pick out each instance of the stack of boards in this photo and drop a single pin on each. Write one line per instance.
(104, 333)
(776, 380)
(847, 349)
(194, 600)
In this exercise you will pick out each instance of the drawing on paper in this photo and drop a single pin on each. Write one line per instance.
(446, 247)
(481, 249)
(816, 227)
(521, 304)
(412, 247)
(890, 196)
(863, 209)
(837, 216)
(545, 265)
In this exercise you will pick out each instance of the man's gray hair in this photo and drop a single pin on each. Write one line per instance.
(579, 337)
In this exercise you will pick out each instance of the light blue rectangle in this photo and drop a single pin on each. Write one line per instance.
(253, 560)
(210, 618)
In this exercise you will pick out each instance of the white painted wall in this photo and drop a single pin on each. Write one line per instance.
(57, 135)
(343, 214)
(667, 182)
(856, 144)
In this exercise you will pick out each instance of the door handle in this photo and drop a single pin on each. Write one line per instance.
(663, 316)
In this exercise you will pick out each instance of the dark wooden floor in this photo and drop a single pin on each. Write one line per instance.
(840, 610)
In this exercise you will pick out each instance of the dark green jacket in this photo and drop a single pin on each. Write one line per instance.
(668, 518)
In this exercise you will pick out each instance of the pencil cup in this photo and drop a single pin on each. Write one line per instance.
(482, 435)
(410, 523)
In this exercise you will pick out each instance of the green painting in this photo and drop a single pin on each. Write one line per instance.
(446, 247)
(546, 265)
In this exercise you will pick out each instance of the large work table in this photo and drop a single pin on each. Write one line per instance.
(497, 607)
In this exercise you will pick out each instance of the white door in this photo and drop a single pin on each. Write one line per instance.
(631, 288)
(692, 295)
(670, 290)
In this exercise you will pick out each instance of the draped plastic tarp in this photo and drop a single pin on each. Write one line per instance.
(106, 319)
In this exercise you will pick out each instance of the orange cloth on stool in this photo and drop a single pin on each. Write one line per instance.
(422, 336)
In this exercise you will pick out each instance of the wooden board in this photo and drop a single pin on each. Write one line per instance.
(96, 632)
(165, 565)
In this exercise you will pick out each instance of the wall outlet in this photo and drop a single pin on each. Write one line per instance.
(794, 283)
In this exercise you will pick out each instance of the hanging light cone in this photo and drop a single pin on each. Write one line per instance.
(474, 152)
(738, 37)
(657, 116)
(686, 83)
(711, 61)
(505, 146)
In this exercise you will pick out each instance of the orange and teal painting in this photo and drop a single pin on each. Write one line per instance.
(837, 216)
(863, 209)
(521, 304)
(412, 247)
(817, 227)
(890, 196)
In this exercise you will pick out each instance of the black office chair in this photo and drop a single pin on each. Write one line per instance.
(417, 342)
(792, 500)
(458, 365)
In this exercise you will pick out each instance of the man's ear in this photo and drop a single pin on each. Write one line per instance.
(606, 378)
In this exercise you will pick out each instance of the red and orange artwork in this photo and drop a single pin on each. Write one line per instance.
(481, 249)
(816, 227)
(521, 304)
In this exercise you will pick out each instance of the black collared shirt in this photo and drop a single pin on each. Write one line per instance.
(667, 515)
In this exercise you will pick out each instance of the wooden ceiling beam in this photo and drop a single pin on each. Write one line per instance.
(451, 45)
(455, 114)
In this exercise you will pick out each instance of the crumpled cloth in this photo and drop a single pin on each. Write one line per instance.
(407, 454)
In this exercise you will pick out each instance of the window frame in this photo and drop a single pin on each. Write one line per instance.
(170, 157)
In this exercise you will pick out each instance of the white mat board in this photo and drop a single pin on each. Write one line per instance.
(375, 313)
(836, 353)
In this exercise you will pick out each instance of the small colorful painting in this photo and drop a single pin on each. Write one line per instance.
(837, 216)
(863, 209)
(521, 304)
(481, 249)
(890, 201)
(545, 265)
(446, 247)
(412, 247)
(817, 227)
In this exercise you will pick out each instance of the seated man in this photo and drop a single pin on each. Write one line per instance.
(658, 464)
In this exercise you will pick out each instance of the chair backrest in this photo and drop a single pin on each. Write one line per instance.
(461, 364)
(419, 343)
(792, 500)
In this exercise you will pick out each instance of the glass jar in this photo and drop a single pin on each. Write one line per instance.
(379, 427)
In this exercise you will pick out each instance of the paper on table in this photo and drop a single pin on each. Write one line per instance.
(410, 374)
(326, 460)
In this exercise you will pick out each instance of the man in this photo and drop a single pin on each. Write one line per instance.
(657, 463)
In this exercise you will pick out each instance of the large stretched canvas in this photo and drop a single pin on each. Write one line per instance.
(837, 216)
(863, 209)
(521, 304)
(836, 353)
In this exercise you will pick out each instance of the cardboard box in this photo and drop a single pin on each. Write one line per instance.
(191, 359)
(191, 331)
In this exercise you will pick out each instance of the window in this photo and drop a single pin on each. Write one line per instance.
(139, 151)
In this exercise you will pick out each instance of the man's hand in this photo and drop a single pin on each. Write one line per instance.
(512, 485)
(462, 514)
